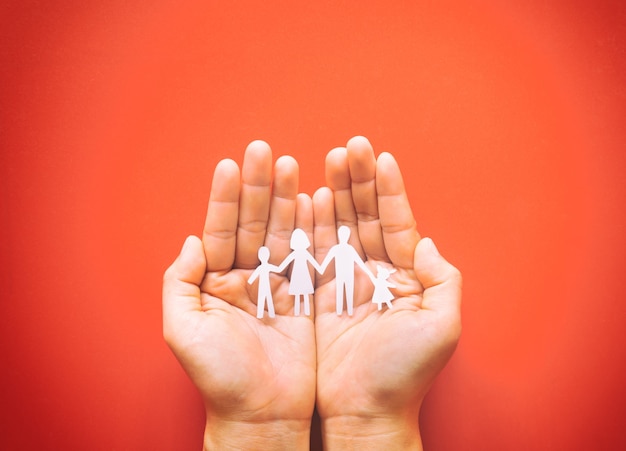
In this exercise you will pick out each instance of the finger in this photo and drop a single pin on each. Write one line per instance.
(442, 284)
(362, 163)
(254, 203)
(396, 218)
(338, 179)
(304, 215)
(325, 229)
(181, 286)
(282, 208)
(220, 228)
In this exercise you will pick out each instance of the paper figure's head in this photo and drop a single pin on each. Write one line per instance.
(299, 240)
(343, 233)
(264, 254)
(383, 272)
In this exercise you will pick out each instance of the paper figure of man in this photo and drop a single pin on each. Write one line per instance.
(345, 257)
(262, 272)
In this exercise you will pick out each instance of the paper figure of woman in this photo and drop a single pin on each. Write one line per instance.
(300, 284)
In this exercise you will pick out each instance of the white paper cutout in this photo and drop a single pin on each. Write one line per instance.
(300, 283)
(381, 287)
(345, 257)
(262, 272)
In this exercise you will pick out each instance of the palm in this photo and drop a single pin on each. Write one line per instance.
(366, 362)
(374, 361)
(247, 369)
(262, 366)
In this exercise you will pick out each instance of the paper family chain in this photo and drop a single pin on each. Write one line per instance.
(300, 283)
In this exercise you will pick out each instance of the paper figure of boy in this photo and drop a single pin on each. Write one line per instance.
(381, 287)
(345, 257)
(262, 272)
(300, 283)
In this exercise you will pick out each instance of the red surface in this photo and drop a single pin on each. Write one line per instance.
(506, 120)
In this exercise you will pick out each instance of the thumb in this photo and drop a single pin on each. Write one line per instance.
(442, 282)
(181, 282)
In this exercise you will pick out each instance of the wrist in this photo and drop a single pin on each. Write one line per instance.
(348, 432)
(220, 434)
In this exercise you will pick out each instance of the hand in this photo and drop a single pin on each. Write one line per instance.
(375, 367)
(256, 376)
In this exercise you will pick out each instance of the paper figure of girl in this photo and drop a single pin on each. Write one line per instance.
(381, 287)
(262, 272)
(300, 284)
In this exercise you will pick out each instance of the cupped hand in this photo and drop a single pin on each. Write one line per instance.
(249, 370)
(378, 365)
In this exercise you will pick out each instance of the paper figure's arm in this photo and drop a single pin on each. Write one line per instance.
(254, 275)
(362, 265)
(315, 264)
(288, 259)
(327, 259)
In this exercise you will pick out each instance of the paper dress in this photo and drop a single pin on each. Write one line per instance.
(382, 294)
(300, 283)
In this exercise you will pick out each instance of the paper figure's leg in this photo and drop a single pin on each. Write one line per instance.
(260, 307)
(380, 306)
(307, 305)
(388, 304)
(296, 305)
(350, 297)
(339, 297)
(270, 307)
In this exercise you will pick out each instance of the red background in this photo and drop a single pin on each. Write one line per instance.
(508, 122)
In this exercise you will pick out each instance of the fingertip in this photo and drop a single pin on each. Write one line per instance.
(304, 201)
(429, 246)
(425, 253)
(324, 206)
(190, 242)
(286, 177)
(431, 267)
(227, 166)
(389, 179)
(336, 153)
(225, 183)
(322, 194)
(257, 163)
(337, 170)
(191, 262)
(360, 145)
(286, 162)
(361, 160)
(358, 141)
(386, 158)
(336, 158)
(258, 145)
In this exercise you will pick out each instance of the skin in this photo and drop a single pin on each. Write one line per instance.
(257, 377)
(366, 373)
(375, 367)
